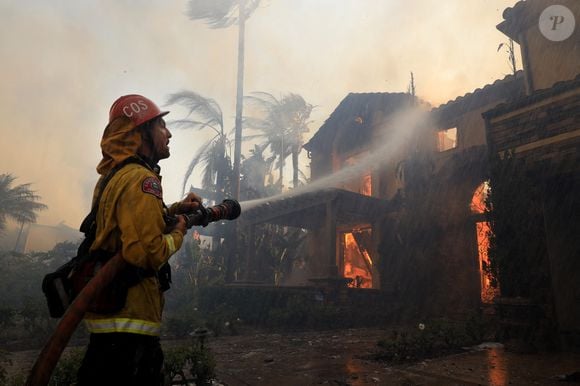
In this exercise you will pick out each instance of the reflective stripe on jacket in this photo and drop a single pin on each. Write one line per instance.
(134, 326)
(130, 219)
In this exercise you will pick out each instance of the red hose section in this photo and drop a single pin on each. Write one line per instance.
(50, 354)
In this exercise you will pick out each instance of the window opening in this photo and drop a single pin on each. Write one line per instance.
(447, 139)
(477, 206)
(362, 183)
(357, 260)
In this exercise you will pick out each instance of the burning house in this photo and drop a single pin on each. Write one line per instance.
(343, 215)
(534, 144)
(344, 140)
(417, 226)
(426, 249)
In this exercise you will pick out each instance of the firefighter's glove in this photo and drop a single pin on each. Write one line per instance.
(189, 204)
(181, 225)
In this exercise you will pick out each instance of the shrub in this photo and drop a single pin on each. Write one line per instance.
(437, 337)
(65, 373)
(189, 363)
(3, 373)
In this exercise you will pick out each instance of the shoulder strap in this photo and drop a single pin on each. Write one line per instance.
(88, 226)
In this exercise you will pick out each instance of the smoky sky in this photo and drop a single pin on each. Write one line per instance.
(64, 62)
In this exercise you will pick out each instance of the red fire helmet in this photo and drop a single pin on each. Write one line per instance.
(136, 107)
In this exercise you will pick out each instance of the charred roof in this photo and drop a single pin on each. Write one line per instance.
(509, 88)
(355, 118)
(539, 95)
(516, 18)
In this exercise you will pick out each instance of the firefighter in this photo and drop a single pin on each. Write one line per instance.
(124, 346)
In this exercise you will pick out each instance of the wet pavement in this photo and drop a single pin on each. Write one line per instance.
(341, 358)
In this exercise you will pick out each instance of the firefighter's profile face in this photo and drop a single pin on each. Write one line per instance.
(160, 136)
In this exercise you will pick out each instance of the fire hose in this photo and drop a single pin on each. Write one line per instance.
(52, 350)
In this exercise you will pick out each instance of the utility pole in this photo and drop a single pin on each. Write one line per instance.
(239, 100)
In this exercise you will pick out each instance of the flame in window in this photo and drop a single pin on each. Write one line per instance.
(357, 261)
(479, 197)
(477, 206)
(361, 183)
(488, 292)
(367, 185)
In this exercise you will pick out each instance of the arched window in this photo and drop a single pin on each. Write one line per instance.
(478, 207)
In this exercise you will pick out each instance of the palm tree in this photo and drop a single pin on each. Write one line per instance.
(18, 203)
(222, 14)
(205, 113)
(281, 126)
(256, 175)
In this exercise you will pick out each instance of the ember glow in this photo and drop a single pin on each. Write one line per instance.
(488, 293)
(479, 196)
(361, 184)
(357, 262)
(477, 206)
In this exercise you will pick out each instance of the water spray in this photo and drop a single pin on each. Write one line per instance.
(400, 129)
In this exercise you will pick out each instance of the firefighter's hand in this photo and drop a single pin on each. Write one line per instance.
(181, 225)
(189, 204)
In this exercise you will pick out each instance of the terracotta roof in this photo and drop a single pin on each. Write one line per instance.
(520, 17)
(510, 87)
(514, 10)
(557, 88)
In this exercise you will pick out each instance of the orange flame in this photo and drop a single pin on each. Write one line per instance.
(357, 263)
(488, 292)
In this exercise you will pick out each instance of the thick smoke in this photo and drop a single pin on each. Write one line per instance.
(63, 63)
(394, 134)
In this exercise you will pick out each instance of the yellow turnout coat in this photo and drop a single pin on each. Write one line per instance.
(130, 219)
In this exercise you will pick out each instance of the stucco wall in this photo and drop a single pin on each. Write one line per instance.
(547, 61)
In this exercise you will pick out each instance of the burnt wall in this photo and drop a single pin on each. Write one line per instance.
(535, 144)
(532, 131)
(429, 248)
(562, 216)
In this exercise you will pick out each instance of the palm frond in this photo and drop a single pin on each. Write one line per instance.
(252, 137)
(190, 124)
(194, 162)
(219, 13)
(5, 181)
(218, 165)
(262, 99)
(19, 202)
(256, 124)
(206, 108)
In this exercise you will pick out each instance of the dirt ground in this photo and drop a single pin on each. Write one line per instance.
(342, 358)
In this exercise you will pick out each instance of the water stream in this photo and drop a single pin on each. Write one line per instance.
(394, 135)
